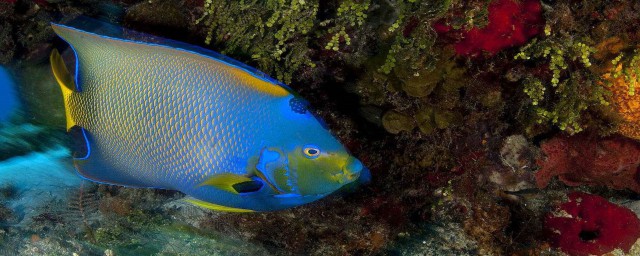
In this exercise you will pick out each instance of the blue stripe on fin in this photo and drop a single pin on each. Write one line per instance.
(81, 147)
(76, 65)
(104, 29)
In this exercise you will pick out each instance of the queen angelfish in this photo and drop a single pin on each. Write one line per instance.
(174, 116)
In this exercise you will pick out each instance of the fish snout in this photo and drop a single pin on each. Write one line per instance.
(350, 171)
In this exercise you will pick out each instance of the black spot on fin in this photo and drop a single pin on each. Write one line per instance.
(80, 139)
(248, 186)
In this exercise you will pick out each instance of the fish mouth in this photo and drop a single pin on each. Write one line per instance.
(349, 172)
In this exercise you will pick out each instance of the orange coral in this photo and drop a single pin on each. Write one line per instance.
(625, 104)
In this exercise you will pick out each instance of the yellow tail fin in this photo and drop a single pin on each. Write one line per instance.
(66, 82)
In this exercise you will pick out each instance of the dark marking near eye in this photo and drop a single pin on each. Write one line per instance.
(247, 186)
(299, 105)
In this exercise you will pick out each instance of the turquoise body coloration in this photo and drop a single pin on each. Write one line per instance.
(173, 116)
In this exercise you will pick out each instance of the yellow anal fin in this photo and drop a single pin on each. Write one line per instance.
(66, 82)
(225, 182)
(215, 206)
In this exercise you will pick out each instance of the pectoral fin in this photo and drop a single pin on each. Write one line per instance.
(233, 183)
(215, 206)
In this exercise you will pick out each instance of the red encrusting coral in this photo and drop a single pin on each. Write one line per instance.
(589, 160)
(590, 225)
(511, 23)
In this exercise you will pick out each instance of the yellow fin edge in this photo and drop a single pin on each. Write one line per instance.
(65, 81)
(215, 206)
(258, 84)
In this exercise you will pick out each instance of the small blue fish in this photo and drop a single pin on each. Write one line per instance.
(174, 116)
(8, 98)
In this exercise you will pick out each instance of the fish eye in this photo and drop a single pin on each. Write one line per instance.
(311, 151)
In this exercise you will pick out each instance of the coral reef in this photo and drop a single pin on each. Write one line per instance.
(576, 90)
(590, 225)
(7, 44)
(509, 23)
(175, 16)
(449, 239)
(588, 160)
(485, 228)
(273, 33)
(621, 82)
(569, 90)
(517, 153)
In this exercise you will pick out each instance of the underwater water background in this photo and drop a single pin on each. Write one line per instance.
(496, 127)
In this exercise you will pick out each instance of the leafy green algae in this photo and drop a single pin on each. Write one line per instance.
(274, 33)
(561, 97)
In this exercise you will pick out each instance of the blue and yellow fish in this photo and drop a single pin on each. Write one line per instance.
(174, 116)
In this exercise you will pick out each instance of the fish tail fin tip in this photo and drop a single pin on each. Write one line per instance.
(66, 82)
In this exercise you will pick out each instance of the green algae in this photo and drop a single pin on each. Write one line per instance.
(273, 33)
(287, 38)
(282, 36)
(572, 87)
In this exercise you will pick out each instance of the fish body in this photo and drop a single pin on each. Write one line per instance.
(153, 115)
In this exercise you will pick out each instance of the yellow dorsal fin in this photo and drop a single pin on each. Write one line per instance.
(215, 206)
(225, 181)
(66, 82)
(259, 84)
